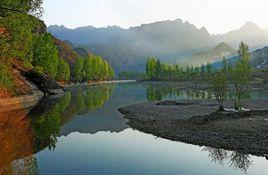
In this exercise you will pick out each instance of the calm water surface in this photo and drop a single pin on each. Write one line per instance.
(83, 133)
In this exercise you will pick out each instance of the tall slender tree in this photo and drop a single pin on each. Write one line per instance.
(241, 74)
(78, 70)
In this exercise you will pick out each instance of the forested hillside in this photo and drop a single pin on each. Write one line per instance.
(25, 46)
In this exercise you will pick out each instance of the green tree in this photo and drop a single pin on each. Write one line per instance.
(17, 40)
(46, 54)
(209, 69)
(87, 66)
(110, 73)
(240, 74)
(225, 65)
(63, 71)
(219, 85)
(157, 70)
(151, 68)
(96, 68)
(79, 70)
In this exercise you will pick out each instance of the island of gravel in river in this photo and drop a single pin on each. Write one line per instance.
(198, 122)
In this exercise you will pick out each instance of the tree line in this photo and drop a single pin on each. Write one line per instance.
(238, 75)
(157, 71)
(92, 68)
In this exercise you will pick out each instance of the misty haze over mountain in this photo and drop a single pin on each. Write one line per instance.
(170, 41)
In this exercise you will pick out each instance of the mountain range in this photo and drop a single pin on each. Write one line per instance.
(170, 41)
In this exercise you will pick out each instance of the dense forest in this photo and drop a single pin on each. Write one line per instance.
(26, 46)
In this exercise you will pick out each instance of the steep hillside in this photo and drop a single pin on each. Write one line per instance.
(214, 55)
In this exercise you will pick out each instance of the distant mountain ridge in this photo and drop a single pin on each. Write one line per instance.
(250, 33)
(170, 41)
(211, 56)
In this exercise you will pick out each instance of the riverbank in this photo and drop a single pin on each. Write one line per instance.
(75, 85)
(24, 101)
(196, 122)
(29, 100)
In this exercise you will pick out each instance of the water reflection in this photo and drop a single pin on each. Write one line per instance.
(25, 132)
(156, 93)
(92, 98)
(48, 117)
(26, 166)
(16, 138)
(235, 159)
(46, 123)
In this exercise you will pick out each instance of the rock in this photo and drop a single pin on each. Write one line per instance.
(44, 82)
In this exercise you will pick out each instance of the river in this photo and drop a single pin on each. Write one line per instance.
(83, 133)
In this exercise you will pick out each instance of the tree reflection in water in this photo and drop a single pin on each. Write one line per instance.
(240, 161)
(235, 159)
(94, 97)
(26, 133)
(46, 126)
(156, 93)
(47, 123)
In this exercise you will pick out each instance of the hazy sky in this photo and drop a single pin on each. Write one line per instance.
(218, 16)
